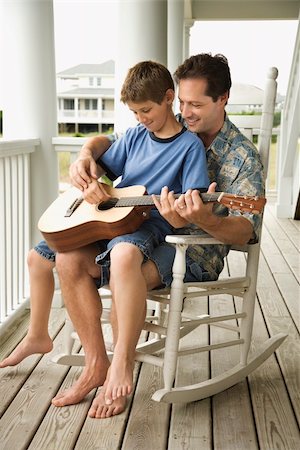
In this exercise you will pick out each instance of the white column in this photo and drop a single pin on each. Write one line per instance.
(175, 33)
(187, 35)
(142, 35)
(29, 91)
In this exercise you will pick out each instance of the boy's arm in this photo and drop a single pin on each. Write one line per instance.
(85, 169)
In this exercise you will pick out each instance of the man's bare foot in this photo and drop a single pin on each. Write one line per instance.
(27, 347)
(119, 380)
(100, 410)
(88, 380)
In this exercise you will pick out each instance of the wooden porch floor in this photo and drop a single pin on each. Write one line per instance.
(262, 412)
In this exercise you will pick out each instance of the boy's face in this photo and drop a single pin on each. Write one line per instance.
(152, 115)
(199, 110)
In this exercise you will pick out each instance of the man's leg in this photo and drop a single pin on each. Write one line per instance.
(37, 339)
(152, 279)
(77, 271)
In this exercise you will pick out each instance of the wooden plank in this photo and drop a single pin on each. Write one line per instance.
(13, 378)
(278, 319)
(285, 247)
(290, 290)
(191, 424)
(60, 427)
(149, 421)
(14, 334)
(233, 422)
(109, 432)
(23, 416)
(275, 419)
(106, 433)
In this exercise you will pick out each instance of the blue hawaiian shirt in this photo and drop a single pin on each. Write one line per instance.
(234, 164)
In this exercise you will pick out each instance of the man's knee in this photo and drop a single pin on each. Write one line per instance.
(37, 262)
(151, 275)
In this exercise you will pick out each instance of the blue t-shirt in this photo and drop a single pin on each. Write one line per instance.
(141, 158)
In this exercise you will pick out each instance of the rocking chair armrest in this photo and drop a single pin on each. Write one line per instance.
(192, 239)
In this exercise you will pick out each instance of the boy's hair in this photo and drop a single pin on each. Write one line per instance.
(214, 69)
(147, 80)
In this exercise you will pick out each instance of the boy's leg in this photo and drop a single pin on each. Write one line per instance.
(100, 409)
(37, 339)
(77, 273)
(129, 292)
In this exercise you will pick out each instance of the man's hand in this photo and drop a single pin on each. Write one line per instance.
(167, 210)
(190, 207)
(95, 192)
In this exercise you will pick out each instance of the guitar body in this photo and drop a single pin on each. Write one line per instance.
(86, 224)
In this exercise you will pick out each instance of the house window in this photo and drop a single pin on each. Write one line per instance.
(69, 103)
(98, 81)
(90, 104)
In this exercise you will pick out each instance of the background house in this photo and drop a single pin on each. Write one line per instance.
(85, 96)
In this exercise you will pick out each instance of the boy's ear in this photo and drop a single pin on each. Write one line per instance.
(170, 94)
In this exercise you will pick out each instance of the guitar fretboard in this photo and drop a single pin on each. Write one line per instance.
(146, 200)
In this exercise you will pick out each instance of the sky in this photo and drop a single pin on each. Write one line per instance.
(85, 32)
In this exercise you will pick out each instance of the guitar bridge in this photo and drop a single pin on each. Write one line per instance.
(73, 207)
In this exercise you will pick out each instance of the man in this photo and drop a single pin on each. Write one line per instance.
(234, 166)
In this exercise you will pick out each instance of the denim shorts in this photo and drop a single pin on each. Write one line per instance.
(150, 239)
(163, 257)
(149, 236)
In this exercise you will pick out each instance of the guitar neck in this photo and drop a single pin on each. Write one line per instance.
(146, 200)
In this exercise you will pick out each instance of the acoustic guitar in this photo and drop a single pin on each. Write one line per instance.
(70, 222)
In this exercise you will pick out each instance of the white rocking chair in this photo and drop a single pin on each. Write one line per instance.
(174, 317)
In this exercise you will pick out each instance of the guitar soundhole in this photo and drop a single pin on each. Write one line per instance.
(103, 206)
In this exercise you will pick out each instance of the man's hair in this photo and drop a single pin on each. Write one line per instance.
(214, 69)
(147, 80)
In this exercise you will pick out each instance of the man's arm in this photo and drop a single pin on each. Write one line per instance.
(84, 169)
(230, 229)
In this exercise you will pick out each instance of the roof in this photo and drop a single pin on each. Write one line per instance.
(93, 92)
(106, 68)
(244, 94)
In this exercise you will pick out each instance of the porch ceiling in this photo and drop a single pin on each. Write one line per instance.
(242, 9)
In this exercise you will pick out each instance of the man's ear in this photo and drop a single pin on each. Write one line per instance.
(170, 94)
(224, 98)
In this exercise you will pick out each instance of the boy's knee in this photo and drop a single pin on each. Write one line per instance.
(124, 256)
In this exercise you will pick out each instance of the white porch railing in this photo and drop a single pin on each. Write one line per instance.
(14, 226)
(72, 145)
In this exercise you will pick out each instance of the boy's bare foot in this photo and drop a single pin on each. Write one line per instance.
(119, 380)
(88, 380)
(27, 347)
(100, 410)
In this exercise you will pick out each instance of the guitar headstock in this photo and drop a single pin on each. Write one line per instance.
(252, 204)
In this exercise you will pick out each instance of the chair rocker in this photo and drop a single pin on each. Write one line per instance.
(176, 312)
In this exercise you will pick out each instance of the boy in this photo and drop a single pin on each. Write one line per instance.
(156, 153)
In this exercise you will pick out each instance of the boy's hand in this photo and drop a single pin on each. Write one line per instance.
(167, 209)
(83, 171)
(95, 192)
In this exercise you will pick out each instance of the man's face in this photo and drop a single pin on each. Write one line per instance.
(201, 113)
